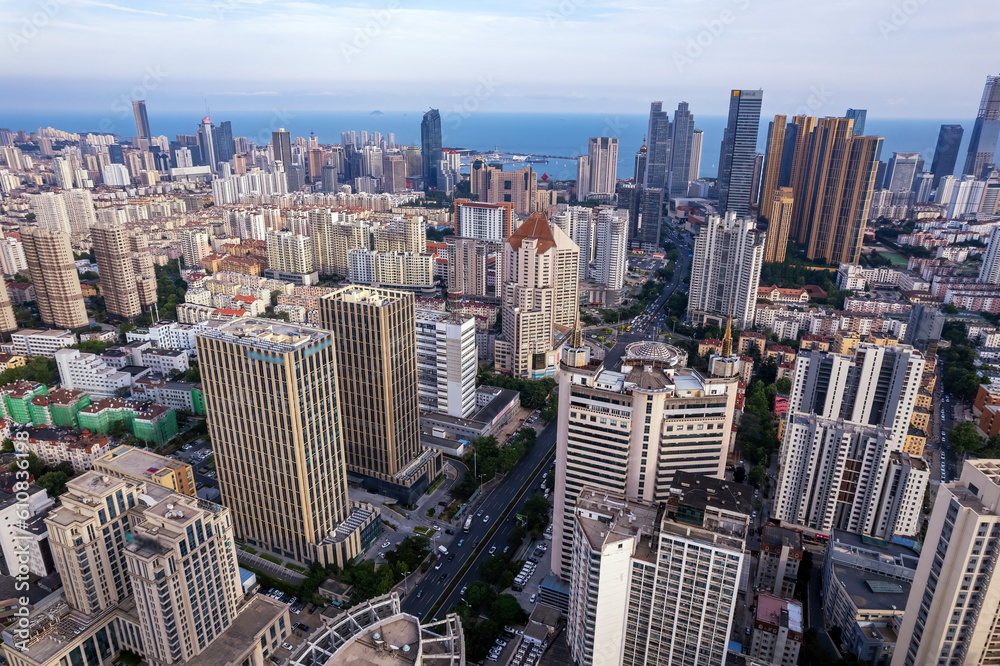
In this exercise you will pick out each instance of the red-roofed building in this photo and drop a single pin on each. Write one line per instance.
(228, 313)
(780, 353)
(750, 339)
(783, 296)
(811, 342)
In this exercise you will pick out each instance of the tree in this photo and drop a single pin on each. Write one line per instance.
(756, 477)
(740, 475)
(34, 466)
(479, 594)
(53, 482)
(964, 438)
(784, 385)
(506, 610)
(92, 346)
(551, 410)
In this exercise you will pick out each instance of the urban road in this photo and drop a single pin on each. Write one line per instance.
(440, 588)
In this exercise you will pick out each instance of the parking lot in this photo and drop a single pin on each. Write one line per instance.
(306, 619)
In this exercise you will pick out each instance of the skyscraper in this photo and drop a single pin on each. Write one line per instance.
(985, 132)
(640, 162)
(141, 120)
(63, 171)
(281, 147)
(625, 454)
(446, 362)
(375, 333)
(725, 271)
(124, 285)
(603, 163)
(682, 133)
(989, 273)
(946, 152)
(658, 153)
(610, 241)
(779, 222)
(650, 218)
(53, 273)
(486, 221)
(540, 272)
(469, 262)
(841, 464)
(656, 584)
(430, 146)
(206, 141)
(859, 116)
(271, 395)
(833, 175)
(223, 141)
(901, 172)
(951, 614)
(696, 143)
(739, 149)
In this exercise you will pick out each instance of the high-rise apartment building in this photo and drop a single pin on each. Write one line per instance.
(946, 151)
(725, 271)
(446, 362)
(577, 222)
(289, 253)
(393, 172)
(601, 169)
(682, 133)
(485, 221)
(141, 120)
(859, 116)
(657, 583)
(658, 153)
(951, 614)
(53, 272)
(841, 464)
(492, 184)
(70, 211)
(631, 430)
(195, 246)
(128, 282)
(540, 271)
(780, 556)
(472, 266)
(833, 175)
(985, 132)
(272, 395)
(281, 147)
(430, 146)
(650, 219)
(989, 272)
(334, 235)
(62, 169)
(8, 322)
(610, 242)
(779, 223)
(697, 137)
(375, 333)
(739, 150)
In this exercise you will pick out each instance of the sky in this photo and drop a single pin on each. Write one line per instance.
(896, 58)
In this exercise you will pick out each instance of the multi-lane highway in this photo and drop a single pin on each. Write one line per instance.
(492, 524)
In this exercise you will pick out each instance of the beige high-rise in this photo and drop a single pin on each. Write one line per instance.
(128, 282)
(8, 323)
(953, 610)
(375, 333)
(275, 421)
(494, 185)
(540, 297)
(779, 217)
(53, 272)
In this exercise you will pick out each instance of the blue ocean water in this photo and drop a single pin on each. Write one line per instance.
(552, 134)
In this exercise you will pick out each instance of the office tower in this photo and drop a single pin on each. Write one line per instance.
(832, 178)
(629, 198)
(469, 266)
(53, 273)
(954, 602)
(985, 132)
(650, 219)
(902, 171)
(841, 464)
(582, 177)
(859, 116)
(540, 270)
(446, 362)
(779, 221)
(141, 120)
(946, 151)
(195, 246)
(430, 146)
(124, 284)
(610, 243)
(657, 584)
(640, 162)
(725, 271)
(739, 148)
(696, 143)
(658, 154)
(289, 253)
(485, 221)
(758, 181)
(375, 338)
(223, 141)
(602, 164)
(63, 172)
(272, 394)
(494, 185)
(682, 133)
(206, 142)
(393, 172)
(330, 176)
(315, 159)
(281, 147)
(620, 451)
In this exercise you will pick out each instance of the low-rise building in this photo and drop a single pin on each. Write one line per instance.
(16, 513)
(17, 397)
(147, 421)
(54, 445)
(780, 556)
(134, 463)
(778, 630)
(780, 296)
(166, 361)
(183, 396)
(91, 374)
(29, 342)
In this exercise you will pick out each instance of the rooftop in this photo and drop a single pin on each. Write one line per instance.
(367, 295)
(270, 334)
(260, 613)
(769, 610)
(873, 592)
(535, 227)
(780, 536)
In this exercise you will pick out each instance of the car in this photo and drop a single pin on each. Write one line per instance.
(460, 542)
(475, 544)
(287, 646)
(531, 600)
(479, 513)
(439, 564)
(493, 549)
(501, 643)
(449, 531)
(754, 515)
(505, 549)
(451, 557)
(420, 593)
(385, 545)
(442, 504)
(532, 559)
(443, 577)
(748, 631)
(461, 592)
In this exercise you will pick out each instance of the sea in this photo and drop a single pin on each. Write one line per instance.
(559, 136)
